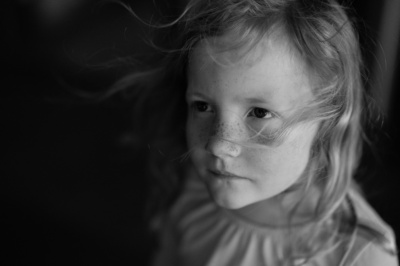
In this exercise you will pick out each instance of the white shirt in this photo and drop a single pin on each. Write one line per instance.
(199, 233)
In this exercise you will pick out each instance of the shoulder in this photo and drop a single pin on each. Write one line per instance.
(375, 255)
(371, 227)
(373, 242)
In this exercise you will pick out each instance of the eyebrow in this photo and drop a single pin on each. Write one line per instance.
(192, 93)
(256, 100)
(251, 100)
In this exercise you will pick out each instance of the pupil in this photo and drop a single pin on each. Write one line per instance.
(259, 113)
(202, 107)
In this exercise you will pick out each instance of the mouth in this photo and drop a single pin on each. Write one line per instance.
(224, 174)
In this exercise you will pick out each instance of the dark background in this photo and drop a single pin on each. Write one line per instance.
(73, 191)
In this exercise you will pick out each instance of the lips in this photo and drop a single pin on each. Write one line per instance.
(224, 174)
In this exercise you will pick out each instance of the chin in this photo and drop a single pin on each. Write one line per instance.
(230, 202)
(230, 205)
(231, 195)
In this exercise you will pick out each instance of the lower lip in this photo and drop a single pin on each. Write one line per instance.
(222, 176)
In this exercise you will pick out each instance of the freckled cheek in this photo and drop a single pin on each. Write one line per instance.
(288, 158)
(265, 139)
(273, 164)
(197, 133)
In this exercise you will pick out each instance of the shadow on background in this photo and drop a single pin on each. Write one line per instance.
(74, 194)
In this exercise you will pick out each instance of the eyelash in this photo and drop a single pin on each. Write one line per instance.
(198, 105)
(266, 113)
(202, 107)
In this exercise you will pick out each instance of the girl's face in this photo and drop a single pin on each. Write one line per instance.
(236, 102)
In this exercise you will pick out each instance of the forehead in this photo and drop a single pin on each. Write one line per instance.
(269, 70)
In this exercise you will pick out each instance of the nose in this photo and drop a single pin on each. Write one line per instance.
(223, 141)
(223, 148)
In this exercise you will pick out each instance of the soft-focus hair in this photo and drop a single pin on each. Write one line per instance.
(319, 31)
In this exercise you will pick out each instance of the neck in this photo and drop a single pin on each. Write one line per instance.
(289, 208)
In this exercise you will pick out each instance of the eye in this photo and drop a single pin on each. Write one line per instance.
(260, 113)
(201, 106)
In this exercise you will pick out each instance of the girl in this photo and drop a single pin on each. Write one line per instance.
(264, 99)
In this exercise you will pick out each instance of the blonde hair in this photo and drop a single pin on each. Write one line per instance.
(319, 31)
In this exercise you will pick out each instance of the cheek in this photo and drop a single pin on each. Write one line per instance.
(197, 133)
(287, 160)
(265, 133)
